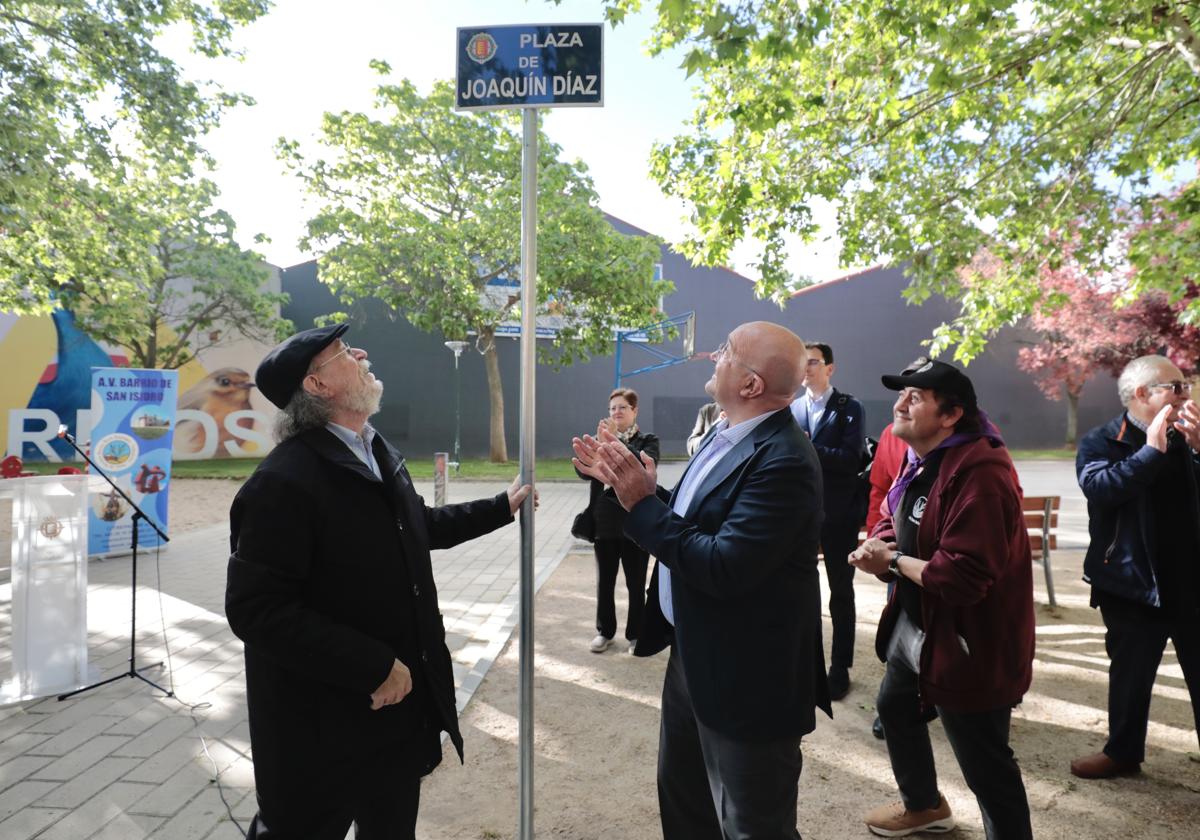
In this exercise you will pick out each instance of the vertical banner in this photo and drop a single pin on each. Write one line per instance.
(133, 428)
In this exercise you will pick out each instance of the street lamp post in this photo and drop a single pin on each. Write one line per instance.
(456, 347)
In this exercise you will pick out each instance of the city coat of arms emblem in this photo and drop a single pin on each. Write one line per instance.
(481, 47)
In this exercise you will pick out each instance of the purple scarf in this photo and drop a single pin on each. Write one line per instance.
(914, 464)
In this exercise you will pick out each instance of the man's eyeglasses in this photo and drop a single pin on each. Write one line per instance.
(814, 362)
(346, 349)
(1180, 388)
(724, 350)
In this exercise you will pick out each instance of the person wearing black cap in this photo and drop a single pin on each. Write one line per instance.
(957, 633)
(330, 586)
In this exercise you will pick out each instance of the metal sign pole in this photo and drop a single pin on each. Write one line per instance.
(529, 154)
(528, 66)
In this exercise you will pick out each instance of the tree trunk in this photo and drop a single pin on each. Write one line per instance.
(151, 359)
(497, 449)
(1072, 418)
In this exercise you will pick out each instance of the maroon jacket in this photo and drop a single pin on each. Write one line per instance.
(977, 595)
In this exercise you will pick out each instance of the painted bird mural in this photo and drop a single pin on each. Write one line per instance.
(219, 394)
(66, 387)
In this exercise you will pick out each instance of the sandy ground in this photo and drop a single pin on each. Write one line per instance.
(596, 719)
(200, 502)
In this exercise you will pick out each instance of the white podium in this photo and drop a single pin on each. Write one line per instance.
(49, 585)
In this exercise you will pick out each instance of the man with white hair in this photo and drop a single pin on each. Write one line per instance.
(1139, 473)
(348, 679)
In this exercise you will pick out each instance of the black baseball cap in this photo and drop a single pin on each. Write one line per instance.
(938, 376)
(282, 370)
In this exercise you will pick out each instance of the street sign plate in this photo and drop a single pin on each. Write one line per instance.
(526, 66)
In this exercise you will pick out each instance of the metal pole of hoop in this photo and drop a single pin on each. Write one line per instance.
(529, 155)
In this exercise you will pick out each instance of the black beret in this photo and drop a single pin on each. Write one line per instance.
(937, 376)
(284, 368)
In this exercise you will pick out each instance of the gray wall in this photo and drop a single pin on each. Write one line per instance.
(863, 317)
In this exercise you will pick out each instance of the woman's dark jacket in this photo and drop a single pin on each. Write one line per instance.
(330, 581)
(606, 510)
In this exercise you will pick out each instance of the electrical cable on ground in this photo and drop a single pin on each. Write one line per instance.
(192, 708)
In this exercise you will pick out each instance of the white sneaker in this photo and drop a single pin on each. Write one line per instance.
(600, 644)
(632, 645)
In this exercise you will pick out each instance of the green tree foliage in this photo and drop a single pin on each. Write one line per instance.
(99, 133)
(420, 208)
(940, 129)
(144, 260)
(79, 79)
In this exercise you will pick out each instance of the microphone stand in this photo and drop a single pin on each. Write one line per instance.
(138, 514)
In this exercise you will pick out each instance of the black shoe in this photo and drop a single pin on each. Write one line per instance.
(877, 728)
(839, 682)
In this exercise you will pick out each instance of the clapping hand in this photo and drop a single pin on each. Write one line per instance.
(1188, 424)
(609, 461)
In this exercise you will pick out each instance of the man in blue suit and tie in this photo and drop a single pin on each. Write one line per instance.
(735, 594)
(834, 422)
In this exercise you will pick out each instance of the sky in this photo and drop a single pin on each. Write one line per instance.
(307, 57)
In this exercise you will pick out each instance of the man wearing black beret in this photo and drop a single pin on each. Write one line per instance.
(330, 586)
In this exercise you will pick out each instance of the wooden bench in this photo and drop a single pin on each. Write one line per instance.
(1041, 518)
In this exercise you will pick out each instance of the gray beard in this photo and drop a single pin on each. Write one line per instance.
(365, 398)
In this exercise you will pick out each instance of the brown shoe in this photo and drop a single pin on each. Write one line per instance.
(895, 820)
(1102, 766)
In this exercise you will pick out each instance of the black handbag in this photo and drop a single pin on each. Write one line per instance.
(584, 526)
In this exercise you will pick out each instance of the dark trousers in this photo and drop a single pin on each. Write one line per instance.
(1135, 638)
(838, 539)
(980, 743)
(379, 795)
(611, 555)
(711, 787)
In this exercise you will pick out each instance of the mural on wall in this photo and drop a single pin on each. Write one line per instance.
(46, 380)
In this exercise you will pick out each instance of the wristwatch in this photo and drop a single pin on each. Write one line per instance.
(894, 566)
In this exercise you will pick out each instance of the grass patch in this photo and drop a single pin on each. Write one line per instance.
(480, 469)
(421, 469)
(1058, 454)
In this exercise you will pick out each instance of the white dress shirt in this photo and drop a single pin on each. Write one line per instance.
(724, 438)
(360, 445)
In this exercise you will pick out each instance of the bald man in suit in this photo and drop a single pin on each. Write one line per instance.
(735, 595)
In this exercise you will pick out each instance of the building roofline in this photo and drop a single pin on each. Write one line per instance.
(842, 279)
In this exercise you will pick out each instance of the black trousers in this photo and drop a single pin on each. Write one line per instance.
(611, 555)
(379, 795)
(980, 743)
(1135, 637)
(838, 539)
(711, 787)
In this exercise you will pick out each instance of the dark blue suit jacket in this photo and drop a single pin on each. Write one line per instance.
(744, 585)
(839, 443)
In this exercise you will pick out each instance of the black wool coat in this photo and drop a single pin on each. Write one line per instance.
(329, 581)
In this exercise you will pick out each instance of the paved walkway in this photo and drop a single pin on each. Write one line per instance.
(123, 762)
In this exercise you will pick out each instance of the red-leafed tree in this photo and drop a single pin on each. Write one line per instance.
(1163, 331)
(1082, 334)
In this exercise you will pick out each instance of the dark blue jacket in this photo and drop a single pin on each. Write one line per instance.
(1116, 475)
(838, 441)
(744, 585)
